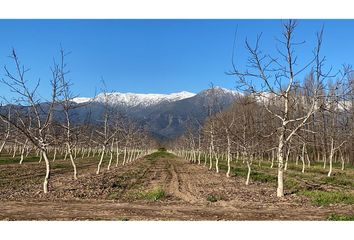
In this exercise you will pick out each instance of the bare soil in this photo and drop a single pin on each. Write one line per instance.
(192, 193)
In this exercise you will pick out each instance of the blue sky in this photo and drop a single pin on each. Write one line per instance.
(156, 56)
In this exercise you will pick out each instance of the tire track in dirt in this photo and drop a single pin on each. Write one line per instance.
(177, 187)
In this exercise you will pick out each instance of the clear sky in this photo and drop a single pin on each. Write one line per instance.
(156, 56)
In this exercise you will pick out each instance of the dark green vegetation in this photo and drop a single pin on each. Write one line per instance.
(324, 198)
(6, 159)
(336, 217)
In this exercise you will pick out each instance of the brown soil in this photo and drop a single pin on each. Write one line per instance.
(192, 193)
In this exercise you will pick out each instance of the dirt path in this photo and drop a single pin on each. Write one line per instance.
(193, 193)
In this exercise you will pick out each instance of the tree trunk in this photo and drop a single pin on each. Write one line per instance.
(23, 151)
(111, 156)
(117, 155)
(66, 155)
(101, 159)
(55, 154)
(2, 146)
(287, 158)
(110, 161)
(124, 155)
(228, 156)
(280, 156)
(210, 158)
(331, 158)
(303, 158)
(216, 163)
(72, 160)
(47, 173)
(15, 150)
(248, 172)
(324, 159)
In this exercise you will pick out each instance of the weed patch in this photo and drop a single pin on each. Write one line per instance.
(336, 217)
(320, 198)
(154, 195)
(113, 195)
(213, 198)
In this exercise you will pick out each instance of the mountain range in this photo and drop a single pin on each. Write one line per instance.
(166, 116)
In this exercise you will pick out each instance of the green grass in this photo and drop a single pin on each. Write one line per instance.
(263, 177)
(154, 195)
(256, 174)
(339, 179)
(321, 198)
(16, 160)
(336, 217)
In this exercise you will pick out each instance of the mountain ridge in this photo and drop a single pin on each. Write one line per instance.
(167, 119)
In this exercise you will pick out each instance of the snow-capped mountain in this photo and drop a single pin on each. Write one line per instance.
(166, 116)
(135, 99)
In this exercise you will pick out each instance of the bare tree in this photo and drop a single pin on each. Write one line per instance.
(67, 104)
(279, 77)
(34, 123)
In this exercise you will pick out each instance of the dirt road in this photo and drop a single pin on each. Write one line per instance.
(192, 193)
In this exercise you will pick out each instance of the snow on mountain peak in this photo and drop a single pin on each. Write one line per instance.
(136, 99)
(81, 99)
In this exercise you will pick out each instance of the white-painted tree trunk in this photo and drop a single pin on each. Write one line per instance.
(124, 155)
(101, 160)
(72, 160)
(110, 157)
(331, 158)
(110, 161)
(2, 146)
(47, 173)
(117, 149)
(248, 172)
(228, 155)
(23, 151)
(324, 160)
(287, 158)
(55, 154)
(28, 150)
(216, 163)
(66, 154)
(15, 150)
(280, 157)
(210, 158)
(303, 158)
